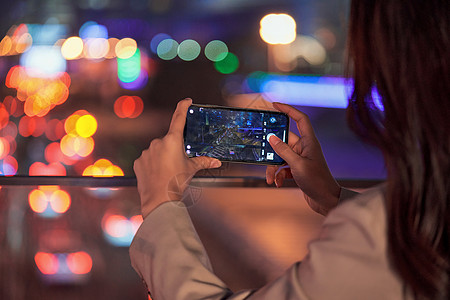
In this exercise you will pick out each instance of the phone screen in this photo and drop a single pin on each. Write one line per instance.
(234, 134)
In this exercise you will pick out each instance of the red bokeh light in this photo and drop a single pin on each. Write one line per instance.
(47, 263)
(52, 169)
(128, 107)
(31, 126)
(79, 262)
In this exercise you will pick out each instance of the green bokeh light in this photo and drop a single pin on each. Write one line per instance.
(216, 50)
(227, 65)
(167, 49)
(128, 69)
(189, 50)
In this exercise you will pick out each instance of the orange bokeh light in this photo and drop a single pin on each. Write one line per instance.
(47, 263)
(40, 95)
(115, 225)
(39, 199)
(4, 147)
(103, 168)
(79, 262)
(128, 106)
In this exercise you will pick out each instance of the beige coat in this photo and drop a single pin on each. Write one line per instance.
(349, 260)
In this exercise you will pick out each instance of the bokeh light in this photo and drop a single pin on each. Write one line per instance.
(96, 48)
(158, 39)
(86, 126)
(4, 147)
(227, 65)
(31, 126)
(188, 50)
(128, 107)
(47, 263)
(103, 168)
(79, 262)
(91, 29)
(43, 61)
(49, 201)
(126, 48)
(278, 29)
(128, 69)
(8, 166)
(52, 169)
(167, 49)
(216, 50)
(112, 43)
(119, 230)
(72, 48)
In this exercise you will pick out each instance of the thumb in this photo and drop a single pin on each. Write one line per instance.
(205, 162)
(282, 149)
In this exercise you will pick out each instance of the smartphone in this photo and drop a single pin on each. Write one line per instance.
(234, 134)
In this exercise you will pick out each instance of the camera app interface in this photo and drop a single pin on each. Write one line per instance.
(233, 135)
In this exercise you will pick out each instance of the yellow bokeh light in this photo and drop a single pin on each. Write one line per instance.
(278, 29)
(125, 48)
(86, 126)
(37, 200)
(60, 201)
(103, 168)
(72, 48)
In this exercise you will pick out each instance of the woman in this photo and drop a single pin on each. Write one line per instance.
(391, 242)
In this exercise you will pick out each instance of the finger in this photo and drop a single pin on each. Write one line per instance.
(293, 139)
(270, 173)
(204, 162)
(179, 117)
(284, 173)
(282, 149)
(303, 123)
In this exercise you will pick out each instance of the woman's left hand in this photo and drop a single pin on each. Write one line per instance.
(164, 170)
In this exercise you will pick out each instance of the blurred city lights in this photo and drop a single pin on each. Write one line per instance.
(138, 83)
(103, 168)
(4, 147)
(52, 169)
(188, 50)
(96, 48)
(128, 69)
(278, 29)
(216, 50)
(128, 107)
(112, 43)
(8, 166)
(47, 263)
(49, 201)
(43, 61)
(126, 48)
(154, 43)
(92, 30)
(31, 126)
(167, 49)
(119, 230)
(227, 65)
(86, 126)
(79, 262)
(54, 130)
(310, 49)
(19, 42)
(72, 48)
(64, 267)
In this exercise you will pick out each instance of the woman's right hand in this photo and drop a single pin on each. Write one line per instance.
(307, 165)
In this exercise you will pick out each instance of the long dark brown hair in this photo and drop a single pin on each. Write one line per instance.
(399, 50)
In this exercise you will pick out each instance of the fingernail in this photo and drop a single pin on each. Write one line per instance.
(275, 139)
(215, 164)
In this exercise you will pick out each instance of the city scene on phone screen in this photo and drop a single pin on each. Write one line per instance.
(234, 135)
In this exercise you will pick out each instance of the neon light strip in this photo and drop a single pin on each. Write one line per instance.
(330, 92)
